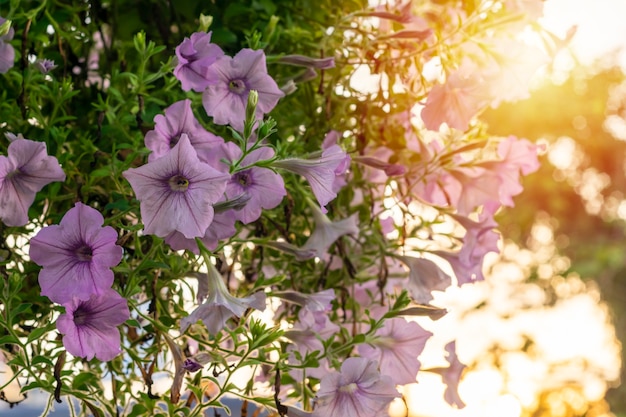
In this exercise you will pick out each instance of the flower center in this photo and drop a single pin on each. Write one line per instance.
(349, 388)
(178, 183)
(174, 140)
(80, 316)
(243, 178)
(84, 253)
(237, 86)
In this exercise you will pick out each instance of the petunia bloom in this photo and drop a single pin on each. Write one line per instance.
(195, 56)
(168, 128)
(396, 348)
(76, 255)
(177, 192)
(424, 278)
(451, 376)
(45, 65)
(220, 304)
(24, 172)
(327, 232)
(321, 172)
(7, 53)
(359, 390)
(226, 100)
(264, 188)
(89, 327)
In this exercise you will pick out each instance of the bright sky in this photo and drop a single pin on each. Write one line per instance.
(601, 27)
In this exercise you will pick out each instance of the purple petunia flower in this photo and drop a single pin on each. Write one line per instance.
(76, 255)
(177, 192)
(195, 56)
(222, 227)
(45, 65)
(396, 347)
(220, 304)
(264, 187)
(320, 172)
(424, 278)
(358, 391)
(24, 172)
(226, 100)
(89, 327)
(7, 53)
(179, 119)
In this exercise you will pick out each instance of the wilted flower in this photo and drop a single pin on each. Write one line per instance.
(327, 232)
(220, 304)
(177, 192)
(452, 375)
(359, 390)
(396, 347)
(89, 327)
(169, 128)
(7, 53)
(319, 301)
(76, 255)
(195, 56)
(23, 173)
(226, 100)
(306, 61)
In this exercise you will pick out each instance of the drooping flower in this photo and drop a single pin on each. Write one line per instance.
(89, 327)
(455, 102)
(169, 128)
(321, 172)
(359, 390)
(451, 377)
(196, 55)
(264, 188)
(226, 100)
(424, 278)
(319, 301)
(327, 232)
(7, 53)
(309, 62)
(480, 238)
(23, 173)
(220, 304)
(76, 255)
(177, 192)
(396, 348)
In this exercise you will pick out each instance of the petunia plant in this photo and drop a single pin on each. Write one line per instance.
(210, 203)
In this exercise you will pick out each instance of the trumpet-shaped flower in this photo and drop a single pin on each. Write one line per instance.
(396, 348)
(24, 172)
(359, 390)
(451, 377)
(220, 304)
(89, 327)
(7, 53)
(177, 192)
(320, 172)
(179, 119)
(327, 232)
(424, 278)
(264, 188)
(226, 100)
(76, 255)
(195, 56)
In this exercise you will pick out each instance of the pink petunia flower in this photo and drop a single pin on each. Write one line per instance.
(320, 172)
(23, 173)
(7, 53)
(226, 100)
(451, 377)
(264, 188)
(76, 255)
(178, 120)
(220, 304)
(455, 102)
(396, 348)
(424, 278)
(359, 390)
(177, 192)
(195, 56)
(89, 327)
(480, 238)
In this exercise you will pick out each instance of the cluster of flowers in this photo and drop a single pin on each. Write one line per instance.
(196, 186)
